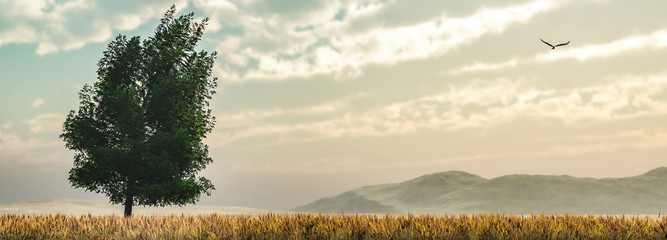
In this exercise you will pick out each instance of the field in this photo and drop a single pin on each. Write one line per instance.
(308, 226)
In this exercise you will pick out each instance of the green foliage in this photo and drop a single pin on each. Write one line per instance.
(138, 133)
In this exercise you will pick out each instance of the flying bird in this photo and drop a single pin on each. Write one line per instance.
(557, 45)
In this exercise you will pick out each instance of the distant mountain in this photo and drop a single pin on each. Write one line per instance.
(460, 192)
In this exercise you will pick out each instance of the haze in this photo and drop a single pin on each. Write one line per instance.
(320, 97)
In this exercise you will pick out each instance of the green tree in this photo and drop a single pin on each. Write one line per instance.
(137, 135)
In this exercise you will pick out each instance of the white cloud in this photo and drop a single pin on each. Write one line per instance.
(7, 125)
(126, 22)
(12, 145)
(655, 40)
(19, 34)
(475, 105)
(15, 149)
(282, 51)
(251, 121)
(216, 6)
(636, 141)
(328, 107)
(325, 165)
(48, 122)
(254, 117)
(65, 25)
(481, 66)
(38, 102)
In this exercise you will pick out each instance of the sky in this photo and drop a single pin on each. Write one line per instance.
(319, 97)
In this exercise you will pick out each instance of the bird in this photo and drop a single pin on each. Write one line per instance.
(557, 45)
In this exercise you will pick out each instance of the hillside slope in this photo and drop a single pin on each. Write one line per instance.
(459, 192)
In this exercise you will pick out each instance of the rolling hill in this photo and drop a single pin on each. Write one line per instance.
(455, 192)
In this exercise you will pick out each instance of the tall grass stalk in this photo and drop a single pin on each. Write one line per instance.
(320, 226)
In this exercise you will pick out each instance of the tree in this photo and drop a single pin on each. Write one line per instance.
(137, 135)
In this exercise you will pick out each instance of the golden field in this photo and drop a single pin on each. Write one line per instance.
(320, 226)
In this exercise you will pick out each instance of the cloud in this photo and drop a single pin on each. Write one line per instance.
(654, 40)
(49, 122)
(277, 47)
(12, 144)
(325, 165)
(249, 120)
(481, 66)
(570, 148)
(65, 25)
(576, 146)
(15, 149)
(38, 102)
(474, 105)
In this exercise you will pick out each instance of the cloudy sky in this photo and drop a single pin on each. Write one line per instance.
(319, 97)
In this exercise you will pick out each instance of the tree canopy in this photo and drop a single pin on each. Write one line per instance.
(137, 135)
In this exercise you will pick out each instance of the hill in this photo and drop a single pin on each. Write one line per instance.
(456, 192)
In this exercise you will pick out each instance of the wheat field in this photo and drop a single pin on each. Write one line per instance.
(321, 226)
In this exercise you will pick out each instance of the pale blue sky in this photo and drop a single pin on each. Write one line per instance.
(318, 97)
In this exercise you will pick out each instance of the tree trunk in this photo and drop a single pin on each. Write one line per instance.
(129, 196)
(128, 205)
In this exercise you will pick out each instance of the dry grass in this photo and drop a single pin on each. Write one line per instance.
(308, 226)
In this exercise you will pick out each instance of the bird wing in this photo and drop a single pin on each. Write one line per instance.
(563, 44)
(546, 43)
